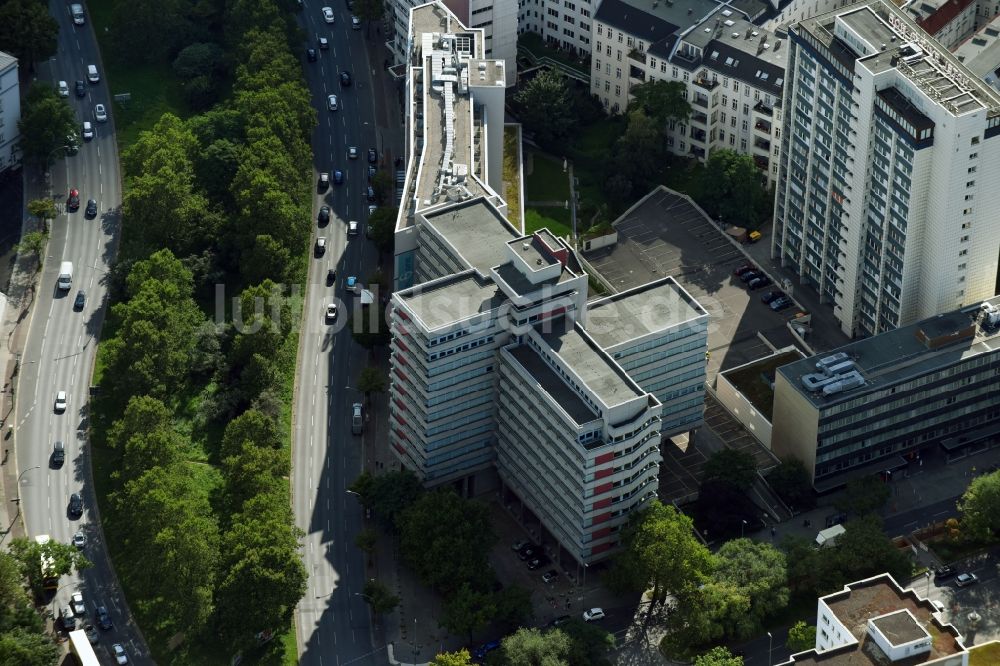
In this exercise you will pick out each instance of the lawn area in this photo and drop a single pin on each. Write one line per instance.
(547, 180)
(512, 174)
(153, 88)
(590, 154)
(556, 220)
(534, 48)
(750, 381)
(985, 655)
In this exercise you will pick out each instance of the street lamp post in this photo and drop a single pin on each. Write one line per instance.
(770, 645)
(927, 575)
(743, 528)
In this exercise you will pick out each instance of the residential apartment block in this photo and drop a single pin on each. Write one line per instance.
(733, 70)
(10, 113)
(562, 23)
(889, 174)
(981, 53)
(497, 19)
(502, 373)
(876, 622)
(877, 403)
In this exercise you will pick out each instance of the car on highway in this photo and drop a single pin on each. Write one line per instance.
(324, 181)
(328, 15)
(746, 276)
(371, 209)
(58, 455)
(100, 113)
(320, 246)
(120, 656)
(772, 295)
(324, 216)
(550, 576)
(76, 601)
(372, 156)
(63, 88)
(331, 313)
(593, 614)
(67, 618)
(966, 579)
(75, 509)
(345, 79)
(355, 23)
(103, 618)
(352, 228)
(338, 177)
(87, 131)
(758, 282)
(91, 211)
(352, 153)
(81, 88)
(92, 634)
(324, 44)
(80, 300)
(73, 200)
(79, 539)
(331, 102)
(331, 276)
(371, 172)
(61, 401)
(780, 304)
(311, 54)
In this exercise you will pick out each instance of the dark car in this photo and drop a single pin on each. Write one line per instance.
(372, 156)
(103, 618)
(345, 79)
(745, 268)
(539, 561)
(772, 295)
(81, 89)
(529, 552)
(338, 177)
(484, 649)
(370, 193)
(371, 172)
(91, 211)
(943, 573)
(749, 275)
(75, 505)
(562, 619)
(311, 54)
(58, 455)
(324, 215)
(782, 303)
(80, 300)
(73, 201)
(758, 282)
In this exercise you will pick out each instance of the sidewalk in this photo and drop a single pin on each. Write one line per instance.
(13, 330)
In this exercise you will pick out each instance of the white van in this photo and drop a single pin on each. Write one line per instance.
(76, 11)
(65, 276)
(92, 74)
(88, 130)
(352, 228)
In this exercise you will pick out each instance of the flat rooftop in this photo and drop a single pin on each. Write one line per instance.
(636, 313)
(592, 365)
(452, 299)
(900, 628)
(476, 230)
(898, 355)
(981, 52)
(553, 384)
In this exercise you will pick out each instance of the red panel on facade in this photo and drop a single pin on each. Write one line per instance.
(401, 360)
(600, 504)
(601, 533)
(402, 315)
(399, 403)
(399, 343)
(399, 448)
(602, 518)
(603, 458)
(401, 375)
(603, 488)
(601, 547)
(601, 473)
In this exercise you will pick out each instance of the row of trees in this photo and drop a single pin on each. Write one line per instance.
(217, 201)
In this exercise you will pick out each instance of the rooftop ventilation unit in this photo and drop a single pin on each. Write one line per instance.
(839, 368)
(828, 361)
(844, 383)
(815, 382)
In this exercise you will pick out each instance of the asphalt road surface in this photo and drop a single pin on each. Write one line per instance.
(61, 343)
(333, 620)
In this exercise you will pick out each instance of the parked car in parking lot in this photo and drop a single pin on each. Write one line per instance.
(758, 283)
(780, 304)
(943, 573)
(749, 275)
(745, 268)
(529, 552)
(537, 562)
(550, 576)
(593, 614)
(966, 579)
(772, 295)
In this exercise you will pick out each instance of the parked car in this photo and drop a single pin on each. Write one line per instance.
(749, 275)
(782, 303)
(593, 614)
(324, 181)
(943, 573)
(68, 619)
(79, 539)
(758, 283)
(91, 211)
(745, 268)
(76, 600)
(338, 177)
(120, 656)
(370, 193)
(484, 649)
(320, 246)
(328, 16)
(550, 576)
(92, 634)
(311, 54)
(772, 295)
(345, 79)
(518, 545)
(966, 579)
(324, 216)
(537, 562)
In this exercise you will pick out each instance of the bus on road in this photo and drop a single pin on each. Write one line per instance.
(81, 648)
(50, 581)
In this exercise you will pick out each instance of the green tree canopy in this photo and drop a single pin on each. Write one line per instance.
(198, 59)
(147, 438)
(791, 481)
(718, 656)
(758, 571)
(459, 658)
(801, 637)
(46, 119)
(64, 557)
(589, 643)
(544, 106)
(737, 468)
(662, 100)
(379, 597)
(33, 243)
(733, 188)
(532, 647)
(864, 496)
(43, 209)
(388, 494)
(149, 31)
(28, 32)
(371, 380)
(20, 647)
(467, 611)
(980, 507)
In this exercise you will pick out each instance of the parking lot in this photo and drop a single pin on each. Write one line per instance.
(667, 235)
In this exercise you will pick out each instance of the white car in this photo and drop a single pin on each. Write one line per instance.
(88, 130)
(100, 113)
(63, 89)
(331, 102)
(331, 312)
(328, 15)
(593, 614)
(371, 209)
(938, 606)
(966, 579)
(61, 400)
(352, 152)
(76, 600)
(79, 539)
(355, 23)
(352, 228)
(120, 655)
(320, 245)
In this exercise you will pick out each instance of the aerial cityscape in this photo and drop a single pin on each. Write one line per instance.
(514, 333)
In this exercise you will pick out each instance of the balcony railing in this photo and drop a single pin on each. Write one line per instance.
(636, 73)
(637, 55)
(763, 144)
(762, 126)
(699, 117)
(700, 100)
(698, 135)
(707, 84)
(760, 107)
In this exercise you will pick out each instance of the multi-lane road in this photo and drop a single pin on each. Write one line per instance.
(333, 621)
(61, 342)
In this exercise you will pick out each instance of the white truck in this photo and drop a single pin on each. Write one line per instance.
(828, 538)
(65, 276)
(76, 11)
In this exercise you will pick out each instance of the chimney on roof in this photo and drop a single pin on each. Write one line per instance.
(749, 32)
